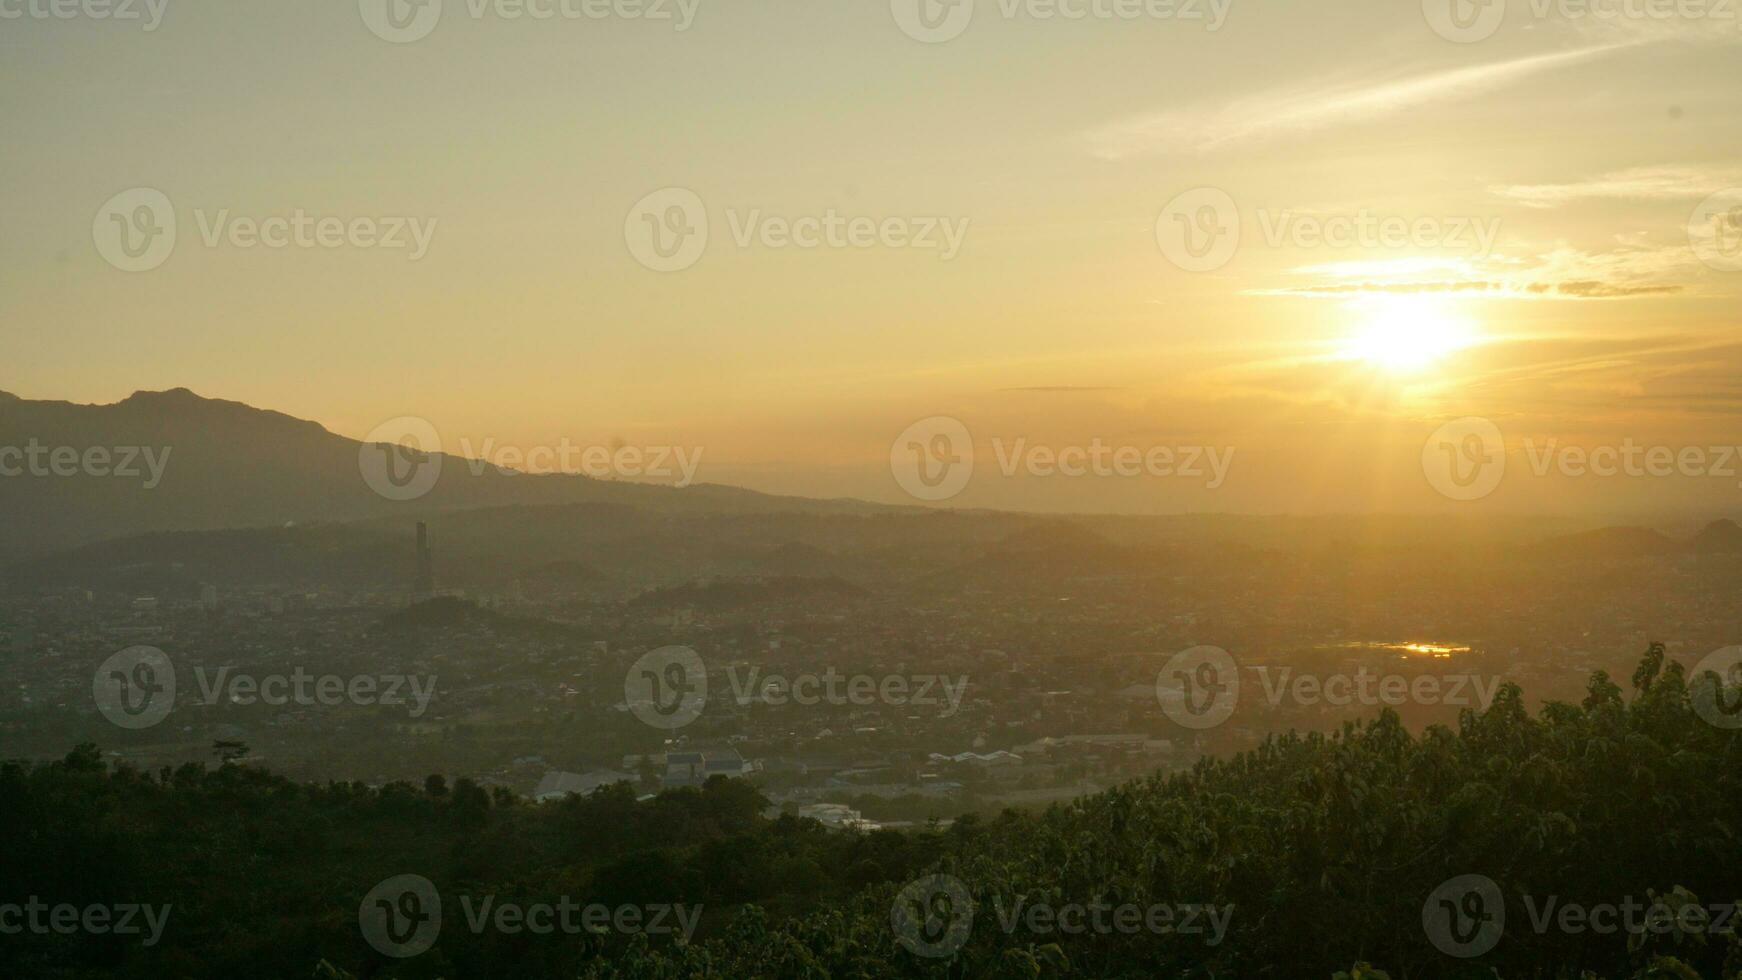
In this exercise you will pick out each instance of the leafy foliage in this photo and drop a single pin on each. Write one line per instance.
(1325, 845)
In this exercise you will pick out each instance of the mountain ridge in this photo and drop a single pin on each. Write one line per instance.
(226, 465)
(232, 466)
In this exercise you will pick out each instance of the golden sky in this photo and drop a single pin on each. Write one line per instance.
(1513, 212)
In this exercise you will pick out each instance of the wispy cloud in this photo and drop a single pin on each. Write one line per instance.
(1060, 389)
(1711, 22)
(1637, 378)
(1300, 109)
(1634, 269)
(1665, 183)
(1573, 289)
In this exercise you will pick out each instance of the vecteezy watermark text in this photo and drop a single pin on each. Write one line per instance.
(667, 688)
(1106, 918)
(1634, 460)
(401, 459)
(37, 460)
(126, 919)
(1715, 230)
(1470, 21)
(1715, 688)
(402, 917)
(1466, 459)
(1201, 230)
(136, 231)
(1631, 914)
(147, 13)
(599, 462)
(834, 688)
(1466, 916)
(136, 688)
(934, 917)
(1200, 687)
(1101, 459)
(937, 21)
(304, 689)
(406, 21)
(1370, 689)
(299, 229)
(669, 230)
(933, 460)
(570, 918)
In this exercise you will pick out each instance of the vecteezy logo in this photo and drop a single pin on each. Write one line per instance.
(1715, 687)
(402, 458)
(135, 688)
(1199, 231)
(933, 459)
(667, 231)
(667, 688)
(135, 230)
(401, 21)
(1464, 917)
(1465, 459)
(1464, 21)
(933, 916)
(1715, 230)
(932, 21)
(402, 916)
(1199, 687)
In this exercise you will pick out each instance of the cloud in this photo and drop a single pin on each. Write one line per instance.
(1360, 288)
(1577, 289)
(1624, 268)
(1573, 380)
(1711, 22)
(1388, 268)
(1060, 389)
(1663, 183)
(1593, 289)
(1299, 109)
(1635, 269)
(1552, 383)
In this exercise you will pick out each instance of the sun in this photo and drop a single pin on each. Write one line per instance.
(1408, 333)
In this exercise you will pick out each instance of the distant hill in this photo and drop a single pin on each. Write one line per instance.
(563, 572)
(732, 594)
(254, 497)
(223, 464)
(1051, 540)
(607, 548)
(1047, 552)
(1719, 537)
(177, 563)
(1609, 543)
(792, 558)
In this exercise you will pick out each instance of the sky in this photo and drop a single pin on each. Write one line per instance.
(1327, 244)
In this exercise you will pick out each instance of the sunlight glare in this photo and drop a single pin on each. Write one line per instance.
(1407, 333)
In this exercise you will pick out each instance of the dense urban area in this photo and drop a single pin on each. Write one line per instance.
(875, 703)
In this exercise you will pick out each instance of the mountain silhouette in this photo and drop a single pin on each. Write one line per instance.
(1719, 537)
(223, 464)
(1608, 542)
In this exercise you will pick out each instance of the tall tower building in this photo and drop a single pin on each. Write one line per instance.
(425, 564)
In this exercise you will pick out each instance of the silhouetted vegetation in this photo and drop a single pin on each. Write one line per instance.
(1326, 846)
